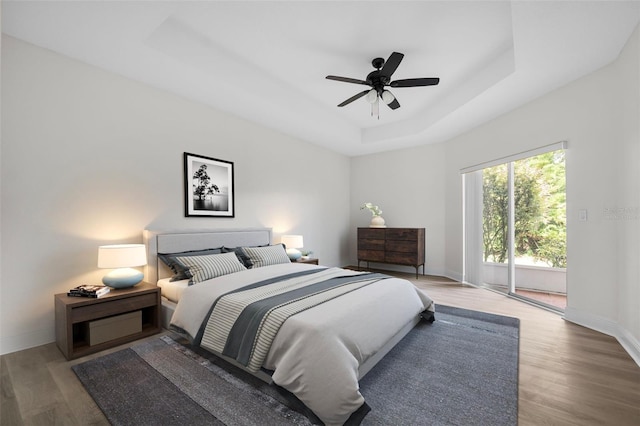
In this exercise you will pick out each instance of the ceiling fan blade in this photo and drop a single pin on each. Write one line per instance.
(353, 98)
(415, 82)
(391, 64)
(394, 104)
(346, 79)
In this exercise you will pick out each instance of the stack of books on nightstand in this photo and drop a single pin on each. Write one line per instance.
(87, 290)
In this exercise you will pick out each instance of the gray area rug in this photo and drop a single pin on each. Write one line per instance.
(460, 370)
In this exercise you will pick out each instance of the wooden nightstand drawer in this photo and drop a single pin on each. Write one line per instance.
(112, 307)
(75, 317)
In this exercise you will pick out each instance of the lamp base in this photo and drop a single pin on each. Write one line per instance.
(294, 254)
(123, 278)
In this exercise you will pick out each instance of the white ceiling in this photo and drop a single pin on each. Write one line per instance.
(266, 61)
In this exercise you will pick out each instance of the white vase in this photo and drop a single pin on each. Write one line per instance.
(377, 222)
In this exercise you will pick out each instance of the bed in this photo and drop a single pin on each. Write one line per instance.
(337, 325)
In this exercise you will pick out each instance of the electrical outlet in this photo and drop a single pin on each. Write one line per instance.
(582, 215)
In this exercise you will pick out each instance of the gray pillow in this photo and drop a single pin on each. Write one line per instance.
(205, 267)
(265, 256)
(240, 253)
(181, 272)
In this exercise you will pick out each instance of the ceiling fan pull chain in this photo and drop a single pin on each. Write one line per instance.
(375, 108)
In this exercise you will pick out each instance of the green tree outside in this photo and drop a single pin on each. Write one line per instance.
(540, 203)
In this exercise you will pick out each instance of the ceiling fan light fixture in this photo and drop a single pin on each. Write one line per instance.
(388, 97)
(372, 96)
(380, 78)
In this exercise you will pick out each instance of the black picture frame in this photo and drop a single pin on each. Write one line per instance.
(208, 187)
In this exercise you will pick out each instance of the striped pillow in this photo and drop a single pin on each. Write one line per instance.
(264, 256)
(180, 271)
(204, 268)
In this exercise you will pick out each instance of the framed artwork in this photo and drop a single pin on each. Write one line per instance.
(208, 186)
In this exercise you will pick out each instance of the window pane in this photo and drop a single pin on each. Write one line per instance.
(540, 213)
(495, 197)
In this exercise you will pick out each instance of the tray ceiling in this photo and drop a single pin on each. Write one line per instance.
(267, 61)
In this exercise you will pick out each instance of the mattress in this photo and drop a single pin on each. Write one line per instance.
(172, 290)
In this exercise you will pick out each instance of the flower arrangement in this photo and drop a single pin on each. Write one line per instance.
(375, 210)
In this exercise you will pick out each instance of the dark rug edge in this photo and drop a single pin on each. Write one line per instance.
(478, 315)
(358, 416)
(188, 405)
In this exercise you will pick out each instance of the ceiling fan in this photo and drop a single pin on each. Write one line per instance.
(381, 78)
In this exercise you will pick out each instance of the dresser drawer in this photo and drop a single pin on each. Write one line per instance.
(400, 246)
(402, 234)
(371, 255)
(401, 258)
(371, 244)
(371, 233)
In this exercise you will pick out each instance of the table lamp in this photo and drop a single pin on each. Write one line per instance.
(293, 243)
(122, 258)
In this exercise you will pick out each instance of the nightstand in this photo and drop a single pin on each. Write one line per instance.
(85, 325)
(310, 260)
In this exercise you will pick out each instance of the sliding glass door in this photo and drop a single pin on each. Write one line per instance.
(523, 227)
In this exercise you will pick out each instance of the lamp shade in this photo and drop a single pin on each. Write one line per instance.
(121, 258)
(293, 243)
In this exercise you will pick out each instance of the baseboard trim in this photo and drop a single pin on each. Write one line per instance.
(630, 344)
(603, 325)
(19, 342)
(453, 276)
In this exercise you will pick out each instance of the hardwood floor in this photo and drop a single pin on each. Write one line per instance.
(569, 375)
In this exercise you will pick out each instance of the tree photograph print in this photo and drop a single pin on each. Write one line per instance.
(208, 186)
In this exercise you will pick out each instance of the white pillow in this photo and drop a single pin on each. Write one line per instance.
(205, 267)
(264, 256)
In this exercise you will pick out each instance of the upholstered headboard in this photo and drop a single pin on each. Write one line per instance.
(173, 241)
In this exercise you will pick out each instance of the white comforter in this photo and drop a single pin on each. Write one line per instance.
(317, 353)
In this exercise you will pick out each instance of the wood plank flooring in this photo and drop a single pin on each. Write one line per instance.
(569, 375)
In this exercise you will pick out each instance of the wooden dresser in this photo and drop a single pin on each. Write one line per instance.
(400, 246)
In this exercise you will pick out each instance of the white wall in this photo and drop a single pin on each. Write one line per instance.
(599, 117)
(91, 158)
(408, 187)
(628, 194)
